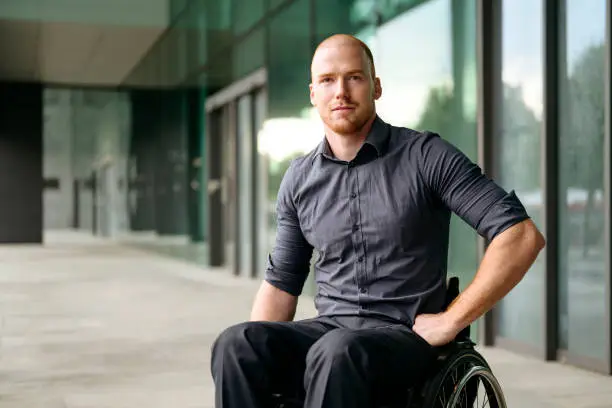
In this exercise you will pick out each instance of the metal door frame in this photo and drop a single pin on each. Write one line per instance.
(228, 97)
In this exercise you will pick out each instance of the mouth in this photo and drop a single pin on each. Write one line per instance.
(343, 108)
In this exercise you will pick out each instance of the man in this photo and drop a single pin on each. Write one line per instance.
(375, 201)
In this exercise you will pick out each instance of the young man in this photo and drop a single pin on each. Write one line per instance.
(375, 201)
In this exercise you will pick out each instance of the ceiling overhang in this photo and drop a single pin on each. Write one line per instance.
(70, 53)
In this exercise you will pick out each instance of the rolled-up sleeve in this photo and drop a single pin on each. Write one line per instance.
(289, 263)
(466, 191)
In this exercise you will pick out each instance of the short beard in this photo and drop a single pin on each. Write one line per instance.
(346, 127)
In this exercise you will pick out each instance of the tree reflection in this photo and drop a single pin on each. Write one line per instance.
(581, 144)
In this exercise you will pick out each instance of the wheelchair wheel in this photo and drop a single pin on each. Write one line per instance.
(465, 380)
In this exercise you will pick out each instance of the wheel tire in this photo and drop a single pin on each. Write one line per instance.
(439, 391)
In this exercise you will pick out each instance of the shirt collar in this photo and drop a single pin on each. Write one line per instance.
(378, 137)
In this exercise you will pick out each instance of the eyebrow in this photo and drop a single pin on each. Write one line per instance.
(328, 74)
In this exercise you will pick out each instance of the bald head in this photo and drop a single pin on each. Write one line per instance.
(345, 41)
(344, 85)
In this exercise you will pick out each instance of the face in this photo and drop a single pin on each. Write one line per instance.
(342, 88)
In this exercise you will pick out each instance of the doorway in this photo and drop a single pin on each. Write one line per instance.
(235, 116)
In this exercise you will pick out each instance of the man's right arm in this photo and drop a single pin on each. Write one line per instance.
(288, 264)
(273, 304)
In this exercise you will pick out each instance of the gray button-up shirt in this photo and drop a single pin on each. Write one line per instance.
(380, 223)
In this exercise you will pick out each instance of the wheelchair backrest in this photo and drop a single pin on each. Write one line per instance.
(452, 291)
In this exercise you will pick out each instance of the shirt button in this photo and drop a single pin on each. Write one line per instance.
(360, 259)
(353, 195)
(363, 290)
(355, 228)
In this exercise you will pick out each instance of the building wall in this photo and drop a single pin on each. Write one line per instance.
(21, 144)
(86, 137)
(57, 159)
(152, 13)
(159, 149)
(547, 139)
(212, 45)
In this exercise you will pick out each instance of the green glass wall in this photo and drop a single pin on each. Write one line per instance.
(437, 94)
(150, 136)
(519, 147)
(581, 202)
(222, 42)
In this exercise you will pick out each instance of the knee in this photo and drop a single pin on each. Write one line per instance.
(237, 341)
(335, 349)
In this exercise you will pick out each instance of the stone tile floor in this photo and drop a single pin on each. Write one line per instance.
(93, 325)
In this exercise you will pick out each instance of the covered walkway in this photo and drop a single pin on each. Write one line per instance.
(92, 325)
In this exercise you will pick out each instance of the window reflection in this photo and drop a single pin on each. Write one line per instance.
(430, 84)
(581, 202)
(519, 155)
(412, 74)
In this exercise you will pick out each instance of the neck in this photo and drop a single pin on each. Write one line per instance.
(345, 146)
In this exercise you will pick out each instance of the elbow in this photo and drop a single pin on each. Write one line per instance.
(533, 239)
(541, 241)
(537, 238)
(522, 238)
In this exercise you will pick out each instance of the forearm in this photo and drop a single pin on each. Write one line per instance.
(506, 261)
(273, 304)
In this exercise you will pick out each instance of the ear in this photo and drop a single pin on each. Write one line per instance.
(377, 88)
(311, 89)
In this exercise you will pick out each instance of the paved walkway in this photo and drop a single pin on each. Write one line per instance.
(95, 325)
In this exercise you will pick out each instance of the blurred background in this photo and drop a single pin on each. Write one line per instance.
(167, 125)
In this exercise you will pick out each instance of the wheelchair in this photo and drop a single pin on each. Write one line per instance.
(461, 377)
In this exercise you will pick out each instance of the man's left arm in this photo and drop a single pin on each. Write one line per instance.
(514, 240)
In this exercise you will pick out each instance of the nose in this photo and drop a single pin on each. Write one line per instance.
(341, 89)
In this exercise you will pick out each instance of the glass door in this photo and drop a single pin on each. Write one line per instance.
(228, 184)
(237, 175)
(245, 203)
(264, 214)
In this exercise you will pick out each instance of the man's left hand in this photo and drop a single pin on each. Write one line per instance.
(436, 329)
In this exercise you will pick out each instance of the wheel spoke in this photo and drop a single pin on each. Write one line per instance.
(487, 400)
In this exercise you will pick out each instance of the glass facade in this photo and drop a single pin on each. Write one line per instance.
(438, 93)
(582, 265)
(86, 138)
(186, 156)
(519, 154)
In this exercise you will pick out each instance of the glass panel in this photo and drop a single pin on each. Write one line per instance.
(390, 9)
(246, 13)
(442, 89)
(249, 54)
(289, 56)
(200, 17)
(289, 129)
(245, 183)
(57, 160)
(176, 7)
(275, 3)
(582, 303)
(261, 102)
(229, 200)
(86, 137)
(521, 313)
(340, 16)
(427, 82)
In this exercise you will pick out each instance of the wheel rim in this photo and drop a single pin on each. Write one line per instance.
(476, 388)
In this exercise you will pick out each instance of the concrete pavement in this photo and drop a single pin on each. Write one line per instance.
(94, 325)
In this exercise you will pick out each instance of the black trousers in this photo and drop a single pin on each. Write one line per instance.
(338, 362)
